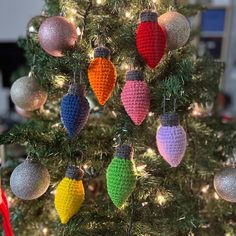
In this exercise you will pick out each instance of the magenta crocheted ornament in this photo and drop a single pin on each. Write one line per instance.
(136, 96)
(171, 139)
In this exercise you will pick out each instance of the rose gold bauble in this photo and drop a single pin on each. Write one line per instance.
(177, 29)
(57, 34)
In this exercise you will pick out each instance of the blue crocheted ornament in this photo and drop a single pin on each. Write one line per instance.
(74, 110)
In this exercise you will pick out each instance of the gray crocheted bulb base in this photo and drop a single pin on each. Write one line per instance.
(149, 16)
(102, 52)
(169, 119)
(74, 172)
(124, 152)
(134, 75)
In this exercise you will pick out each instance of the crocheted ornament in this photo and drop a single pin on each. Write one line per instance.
(74, 110)
(136, 96)
(177, 29)
(69, 194)
(4, 210)
(171, 139)
(102, 74)
(121, 176)
(150, 39)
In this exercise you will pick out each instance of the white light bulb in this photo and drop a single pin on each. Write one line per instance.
(128, 14)
(45, 231)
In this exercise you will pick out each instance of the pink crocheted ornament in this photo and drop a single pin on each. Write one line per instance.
(136, 96)
(171, 139)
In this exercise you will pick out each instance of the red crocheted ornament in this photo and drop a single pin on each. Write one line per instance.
(150, 39)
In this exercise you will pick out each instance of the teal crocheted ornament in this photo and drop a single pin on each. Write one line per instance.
(121, 176)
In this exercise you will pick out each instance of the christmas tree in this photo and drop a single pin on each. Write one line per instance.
(107, 169)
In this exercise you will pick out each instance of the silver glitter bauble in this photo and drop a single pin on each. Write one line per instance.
(57, 34)
(225, 184)
(33, 25)
(29, 180)
(177, 29)
(27, 94)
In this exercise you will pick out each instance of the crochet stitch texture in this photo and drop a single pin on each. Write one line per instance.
(171, 143)
(121, 180)
(74, 113)
(136, 100)
(150, 40)
(69, 198)
(102, 77)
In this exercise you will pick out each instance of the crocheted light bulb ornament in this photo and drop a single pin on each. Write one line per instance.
(121, 176)
(136, 96)
(74, 110)
(171, 139)
(102, 74)
(69, 194)
(150, 39)
(4, 211)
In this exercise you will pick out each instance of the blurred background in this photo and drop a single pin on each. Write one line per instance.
(217, 35)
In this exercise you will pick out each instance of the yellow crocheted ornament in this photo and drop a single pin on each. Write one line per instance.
(69, 194)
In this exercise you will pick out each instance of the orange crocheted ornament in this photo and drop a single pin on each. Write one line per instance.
(102, 75)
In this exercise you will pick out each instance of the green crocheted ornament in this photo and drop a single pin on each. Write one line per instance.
(121, 176)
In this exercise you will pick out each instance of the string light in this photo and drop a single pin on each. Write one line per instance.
(150, 151)
(125, 66)
(144, 204)
(45, 231)
(73, 11)
(205, 189)
(128, 14)
(99, 2)
(59, 81)
(78, 31)
(160, 199)
(216, 196)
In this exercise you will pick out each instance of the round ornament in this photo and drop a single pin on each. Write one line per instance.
(23, 113)
(177, 29)
(27, 94)
(33, 26)
(29, 180)
(56, 35)
(225, 184)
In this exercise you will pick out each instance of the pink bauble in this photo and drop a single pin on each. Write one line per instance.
(56, 35)
(136, 97)
(171, 139)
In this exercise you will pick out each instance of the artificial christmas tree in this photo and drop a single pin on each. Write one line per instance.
(164, 200)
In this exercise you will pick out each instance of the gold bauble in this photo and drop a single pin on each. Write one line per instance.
(177, 28)
(27, 94)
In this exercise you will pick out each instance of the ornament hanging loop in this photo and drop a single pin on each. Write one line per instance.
(32, 66)
(175, 103)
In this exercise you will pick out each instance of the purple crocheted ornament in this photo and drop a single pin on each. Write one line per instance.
(171, 139)
(74, 110)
